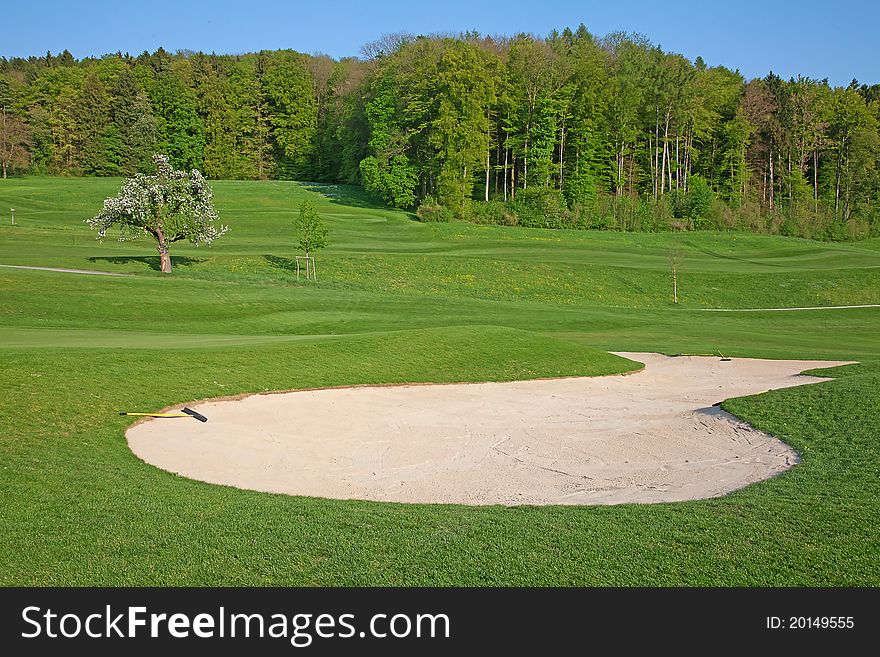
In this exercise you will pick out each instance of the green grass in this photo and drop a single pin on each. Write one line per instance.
(374, 249)
(400, 301)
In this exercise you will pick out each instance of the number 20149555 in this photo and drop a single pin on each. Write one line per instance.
(810, 623)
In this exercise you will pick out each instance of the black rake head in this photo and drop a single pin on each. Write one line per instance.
(198, 416)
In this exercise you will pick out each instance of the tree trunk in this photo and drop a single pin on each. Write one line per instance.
(687, 167)
(712, 173)
(488, 153)
(663, 170)
(790, 181)
(837, 181)
(488, 170)
(771, 176)
(663, 164)
(677, 165)
(816, 179)
(656, 150)
(162, 248)
(506, 152)
(561, 153)
(497, 160)
(685, 152)
(4, 169)
(513, 172)
(164, 258)
(846, 210)
(629, 179)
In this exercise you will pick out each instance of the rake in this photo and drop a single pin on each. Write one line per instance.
(184, 412)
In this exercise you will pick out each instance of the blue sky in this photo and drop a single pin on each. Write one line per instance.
(836, 40)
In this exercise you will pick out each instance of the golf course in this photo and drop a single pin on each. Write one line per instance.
(398, 301)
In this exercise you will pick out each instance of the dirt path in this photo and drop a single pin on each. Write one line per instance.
(68, 271)
(776, 310)
(653, 436)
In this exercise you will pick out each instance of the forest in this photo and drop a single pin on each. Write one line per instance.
(569, 130)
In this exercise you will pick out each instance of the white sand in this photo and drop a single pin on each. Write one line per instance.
(652, 436)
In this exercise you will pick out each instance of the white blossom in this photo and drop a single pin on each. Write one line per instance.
(169, 206)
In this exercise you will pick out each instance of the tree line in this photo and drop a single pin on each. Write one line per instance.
(568, 130)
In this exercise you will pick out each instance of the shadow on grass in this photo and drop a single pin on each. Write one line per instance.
(284, 264)
(725, 256)
(351, 196)
(152, 262)
(346, 195)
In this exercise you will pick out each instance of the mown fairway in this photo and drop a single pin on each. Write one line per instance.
(399, 301)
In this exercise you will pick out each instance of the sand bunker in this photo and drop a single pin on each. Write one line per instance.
(652, 436)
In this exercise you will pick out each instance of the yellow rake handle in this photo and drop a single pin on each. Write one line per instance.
(157, 414)
(184, 412)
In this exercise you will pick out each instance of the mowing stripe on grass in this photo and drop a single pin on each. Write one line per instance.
(52, 338)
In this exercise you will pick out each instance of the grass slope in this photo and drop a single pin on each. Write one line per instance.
(403, 301)
(381, 250)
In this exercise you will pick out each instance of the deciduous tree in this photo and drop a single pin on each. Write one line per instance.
(311, 232)
(168, 206)
(15, 140)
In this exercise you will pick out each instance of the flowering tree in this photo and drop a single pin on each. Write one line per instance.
(168, 206)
